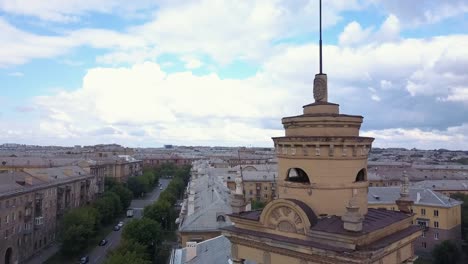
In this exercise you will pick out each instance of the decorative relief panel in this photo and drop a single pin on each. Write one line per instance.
(304, 150)
(286, 219)
(331, 151)
(317, 150)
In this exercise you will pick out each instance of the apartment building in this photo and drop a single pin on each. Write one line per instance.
(31, 204)
(119, 167)
(437, 214)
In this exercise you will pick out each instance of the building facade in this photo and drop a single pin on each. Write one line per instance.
(32, 203)
(437, 214)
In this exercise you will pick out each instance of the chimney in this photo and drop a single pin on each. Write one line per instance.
(404, 203)
(28, 180)
(237, 197)
(191, 251)
(352, 219)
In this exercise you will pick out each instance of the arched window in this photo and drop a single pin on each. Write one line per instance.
(297, 175)
(220, 218)
(361, 176)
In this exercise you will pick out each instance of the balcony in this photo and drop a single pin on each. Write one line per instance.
(26, 232)
(38, 222)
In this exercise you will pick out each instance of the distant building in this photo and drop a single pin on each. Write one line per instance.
(446, 187)
(439, 215)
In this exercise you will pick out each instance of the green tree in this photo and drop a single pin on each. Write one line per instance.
(75, 239)
(257, 204)
(136, 186)
(126, 257)
(446, 253)
(144, 231)
(124, 194)
(162, 212)
(108, 207)
(115, 200)
(464, 213)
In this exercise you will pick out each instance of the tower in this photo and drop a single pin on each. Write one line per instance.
(321, 213)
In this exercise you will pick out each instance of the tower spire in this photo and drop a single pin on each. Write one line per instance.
(320, 81)
(320, 28)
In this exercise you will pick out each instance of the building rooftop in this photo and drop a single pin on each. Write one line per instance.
(443, 185)
(211, 199)
(420, 196)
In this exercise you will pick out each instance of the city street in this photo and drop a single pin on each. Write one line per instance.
(98, 254)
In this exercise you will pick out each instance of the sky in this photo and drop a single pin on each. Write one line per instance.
(146, 73)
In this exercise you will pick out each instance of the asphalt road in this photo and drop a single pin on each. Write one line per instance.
(98, 254)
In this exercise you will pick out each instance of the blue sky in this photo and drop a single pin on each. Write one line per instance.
(149, 73)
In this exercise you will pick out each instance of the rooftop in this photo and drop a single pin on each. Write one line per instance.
(420, 196)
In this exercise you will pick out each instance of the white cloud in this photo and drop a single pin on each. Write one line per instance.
(71, 10)
(415, 13)
(224, 30)
(354, 34)
(191, 62)
(169, 106)
(451, 138)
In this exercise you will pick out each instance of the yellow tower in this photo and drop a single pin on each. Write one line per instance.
(321, 214)
(322, 160)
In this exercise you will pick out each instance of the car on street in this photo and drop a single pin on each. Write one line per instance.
(103, 242)
(160, 188)
(120, 224)
(116, 228)
(130, 213)
(84, 260)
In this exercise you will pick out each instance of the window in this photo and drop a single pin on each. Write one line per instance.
(297, 175)
(436, 235)
(265, 188)
(266, 195)
(423, 211)
(423, 244)
(436, 224)
(423, 234)
(7, 219)
(361, 176)
(436, 212)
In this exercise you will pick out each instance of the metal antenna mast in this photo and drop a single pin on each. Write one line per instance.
(320, 28)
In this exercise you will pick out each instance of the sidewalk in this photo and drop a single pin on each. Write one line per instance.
(44, 254)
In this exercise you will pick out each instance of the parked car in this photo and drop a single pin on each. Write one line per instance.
(130, 213)
(84, 260)
(120, 224)
(160, 188)
(103, 242)
(116, 228)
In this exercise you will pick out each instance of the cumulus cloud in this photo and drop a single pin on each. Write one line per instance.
(188, 109)
(354, 34)
(450, 138)
(170, 106)
(71, 10)
(224, 30)
(415, 13)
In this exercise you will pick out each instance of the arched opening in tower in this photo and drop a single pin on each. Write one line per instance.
(361, 176)
(297, 175)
